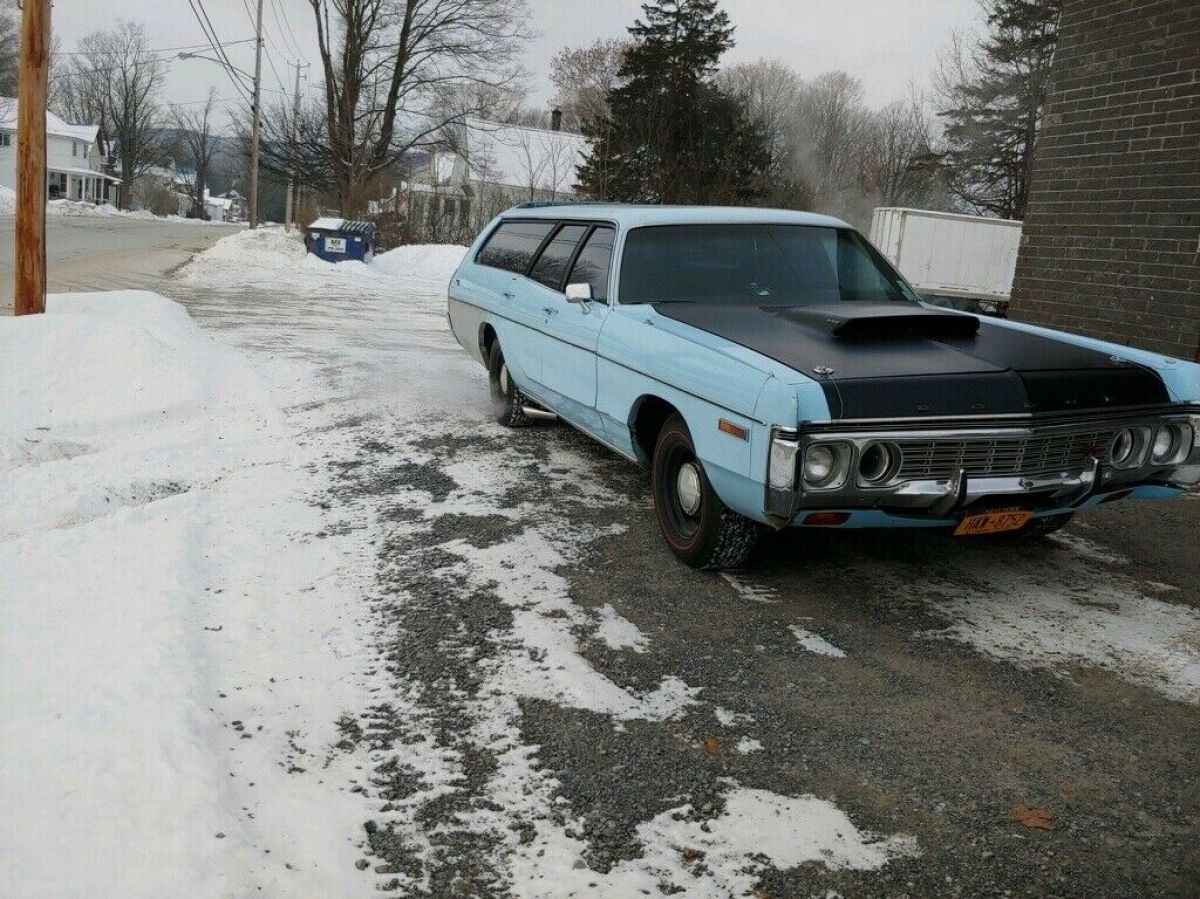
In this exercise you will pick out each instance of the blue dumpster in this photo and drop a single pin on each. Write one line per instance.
(336, 240)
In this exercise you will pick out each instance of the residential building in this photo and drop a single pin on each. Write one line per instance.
(76, 157)
(486, 168)
(1111, 241)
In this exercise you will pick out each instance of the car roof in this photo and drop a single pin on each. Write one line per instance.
(632, 215)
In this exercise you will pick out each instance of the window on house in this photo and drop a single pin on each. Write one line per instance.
(5, 138)
(74, 148)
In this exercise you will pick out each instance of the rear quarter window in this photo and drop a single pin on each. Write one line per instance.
(512, 246)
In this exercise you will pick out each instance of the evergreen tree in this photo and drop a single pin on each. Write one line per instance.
(671, 135)
(993, 102)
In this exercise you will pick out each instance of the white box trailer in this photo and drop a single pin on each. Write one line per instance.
(949, 256)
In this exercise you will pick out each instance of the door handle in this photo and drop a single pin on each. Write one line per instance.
(508, 294)
(550, 310)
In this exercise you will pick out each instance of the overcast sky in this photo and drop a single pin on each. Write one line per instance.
(887, 44)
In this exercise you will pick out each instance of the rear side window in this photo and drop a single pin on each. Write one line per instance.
(512, 245)
(552, 264)
(592, 265)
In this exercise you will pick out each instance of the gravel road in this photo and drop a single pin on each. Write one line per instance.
(564, 710)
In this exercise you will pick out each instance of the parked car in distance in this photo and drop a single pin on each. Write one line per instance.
(774, 370)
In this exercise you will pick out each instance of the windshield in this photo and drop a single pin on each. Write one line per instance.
(777, 265)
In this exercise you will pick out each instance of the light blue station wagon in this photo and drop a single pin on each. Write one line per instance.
(773, 369)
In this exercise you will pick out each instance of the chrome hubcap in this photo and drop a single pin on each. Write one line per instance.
(504, 379)
(687, 486)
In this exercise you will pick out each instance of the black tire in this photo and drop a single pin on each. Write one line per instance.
(697, 527)
(509, 399)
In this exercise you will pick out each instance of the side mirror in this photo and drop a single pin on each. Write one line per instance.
(579, 293)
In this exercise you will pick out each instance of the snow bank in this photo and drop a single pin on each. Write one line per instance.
(433, 261)
(82, 209)
(171, 632)
(269, 257)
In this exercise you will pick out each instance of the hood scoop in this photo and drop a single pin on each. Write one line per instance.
(883, 321)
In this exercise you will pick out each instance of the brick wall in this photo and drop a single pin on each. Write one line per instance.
(1111, 243)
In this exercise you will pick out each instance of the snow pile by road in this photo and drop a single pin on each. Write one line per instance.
(271, 258)
(174, 640)
(83, 209)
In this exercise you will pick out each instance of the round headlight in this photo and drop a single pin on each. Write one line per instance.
(1165, 440)
(1123, 446)
(819, 464)
(875, 464)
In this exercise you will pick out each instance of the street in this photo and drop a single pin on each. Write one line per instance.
(107, 253)
(554, 676)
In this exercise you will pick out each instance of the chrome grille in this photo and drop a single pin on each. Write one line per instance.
(1000, 456)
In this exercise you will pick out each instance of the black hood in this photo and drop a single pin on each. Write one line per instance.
(898, 360)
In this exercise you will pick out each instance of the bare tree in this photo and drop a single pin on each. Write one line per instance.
(901, 166)
(10, 47)
(196, 143)
(831, 147)
(386, 67)
(112, 80)
(582, 78)
(770, 93)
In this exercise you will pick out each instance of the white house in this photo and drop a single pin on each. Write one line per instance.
(227, 207)
(490, 167)
(75, 156)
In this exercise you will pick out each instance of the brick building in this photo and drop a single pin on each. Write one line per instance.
(1111, 244)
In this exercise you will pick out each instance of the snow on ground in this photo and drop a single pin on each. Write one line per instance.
(8, 200)
(815, 643)
(1033, 620)
(719, 856)
(619, 632)
(751, 592)
(172, 633)
(271, 258)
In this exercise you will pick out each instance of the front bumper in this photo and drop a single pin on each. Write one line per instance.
(946, 468)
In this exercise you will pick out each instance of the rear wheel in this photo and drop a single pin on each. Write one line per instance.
(698, 528)
(505, 393)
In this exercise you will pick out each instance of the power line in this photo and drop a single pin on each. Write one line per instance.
(280, 15)
(248, 40)
(210, 35)
(270, 40)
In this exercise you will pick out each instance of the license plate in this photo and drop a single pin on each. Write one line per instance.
(335, 245)
(996, 522)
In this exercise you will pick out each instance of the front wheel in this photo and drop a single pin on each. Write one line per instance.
(698, 528)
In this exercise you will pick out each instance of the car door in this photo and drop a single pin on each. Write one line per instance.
(507, 256)
(581, 256)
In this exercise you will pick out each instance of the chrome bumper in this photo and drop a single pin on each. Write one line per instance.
(1075, 468)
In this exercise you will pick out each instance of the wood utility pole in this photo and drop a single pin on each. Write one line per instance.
(30, 237)
(254, 128)
(287, 214)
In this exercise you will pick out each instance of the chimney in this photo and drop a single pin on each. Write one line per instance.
(556, 120)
